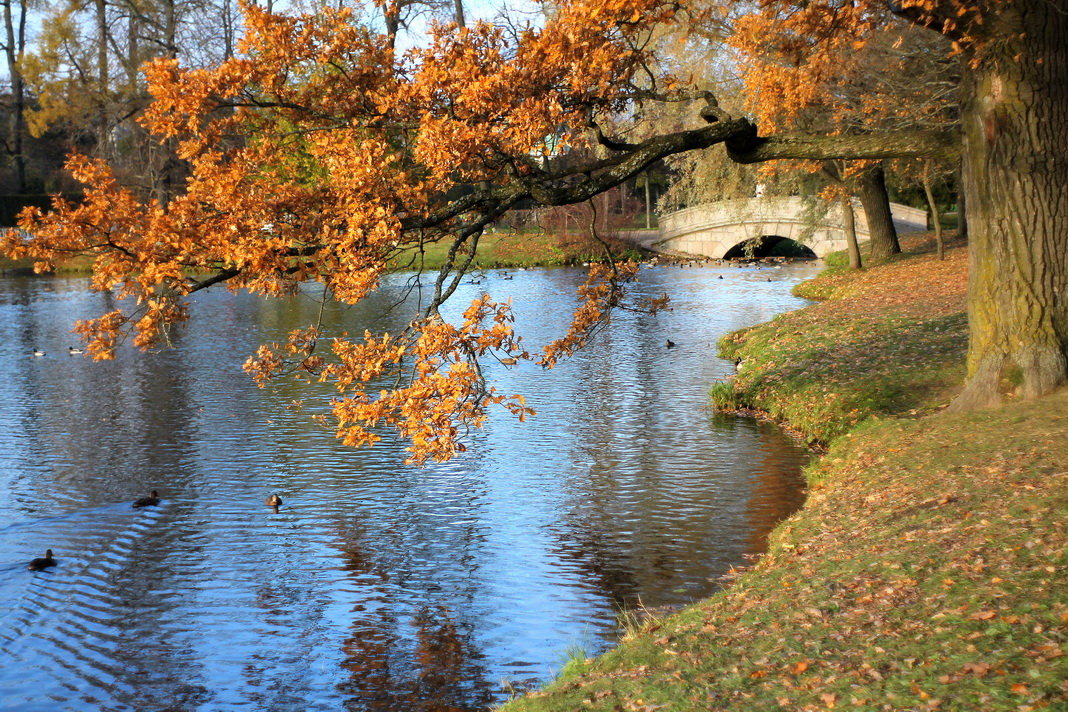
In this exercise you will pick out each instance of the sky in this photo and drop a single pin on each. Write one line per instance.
(477, 10)
(473, 10)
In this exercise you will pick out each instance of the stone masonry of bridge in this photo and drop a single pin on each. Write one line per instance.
(712, 229)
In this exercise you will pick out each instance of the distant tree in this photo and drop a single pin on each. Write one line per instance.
(870, 74)
(84, 74)
(14, 47)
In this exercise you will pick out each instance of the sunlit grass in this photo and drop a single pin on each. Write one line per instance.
(888, 341)
(926, 570)
(530, 248)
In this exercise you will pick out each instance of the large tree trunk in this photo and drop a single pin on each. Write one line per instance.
(1015, 117)
(876, 202)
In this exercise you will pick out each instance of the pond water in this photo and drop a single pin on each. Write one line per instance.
(376, 586)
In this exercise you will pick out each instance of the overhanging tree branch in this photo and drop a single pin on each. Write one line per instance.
(579, 183)
(915, 144)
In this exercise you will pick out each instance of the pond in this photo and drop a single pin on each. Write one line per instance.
(377, 585)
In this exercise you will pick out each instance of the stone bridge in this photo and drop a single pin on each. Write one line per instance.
(716, 229)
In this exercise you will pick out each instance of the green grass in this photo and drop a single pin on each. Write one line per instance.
(926, 569)
(503, 249)
(918, 576)
(888, 341)
(77, 265)
(893, 366)
(517, 249)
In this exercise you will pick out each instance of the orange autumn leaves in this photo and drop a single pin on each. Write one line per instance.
(425, 382)
(848, 67)
(316, 155)
(599, 294)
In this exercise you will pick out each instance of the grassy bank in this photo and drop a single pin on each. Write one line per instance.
(504, 249)
(530, 248)
(889, 341)
(926, 570)
(24, 266)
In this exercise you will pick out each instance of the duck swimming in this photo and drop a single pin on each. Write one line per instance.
(42, 564)
(38, 352)
(150, 501)
(274, 501)
(74, 352)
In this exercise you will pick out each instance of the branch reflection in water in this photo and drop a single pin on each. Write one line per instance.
(376, 586)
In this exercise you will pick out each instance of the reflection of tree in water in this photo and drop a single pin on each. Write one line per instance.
(446, 679)
(367, 658)
(625, 571)
(611, 477)
(634, 514)
(444, 671)
(775, 496)
(597, 537)
(652, 525)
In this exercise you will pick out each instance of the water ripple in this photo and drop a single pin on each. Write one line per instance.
(376, 586)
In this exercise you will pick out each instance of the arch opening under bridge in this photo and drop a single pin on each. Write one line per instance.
(770, 246)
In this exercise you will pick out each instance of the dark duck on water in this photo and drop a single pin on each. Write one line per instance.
(43, 563)
(150, 501)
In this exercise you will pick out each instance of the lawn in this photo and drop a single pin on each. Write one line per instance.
(926, 569)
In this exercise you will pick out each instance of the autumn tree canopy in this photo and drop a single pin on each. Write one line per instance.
(318, 153)
(1013, 98)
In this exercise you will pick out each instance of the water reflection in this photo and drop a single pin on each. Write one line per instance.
(376, 586)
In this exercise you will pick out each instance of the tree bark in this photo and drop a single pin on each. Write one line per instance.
(17, 128)
(229, 25)
(170, 28)
(962, 216)
(835, 170)
(962, 202)
(1015, 116)
(876, 202)
(132, 61)
(750, 148)
(936, 216)
(849, 222)
(102, 69)
(648, 205)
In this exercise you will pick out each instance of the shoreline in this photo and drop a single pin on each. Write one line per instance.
(815, 447)
(925, 569)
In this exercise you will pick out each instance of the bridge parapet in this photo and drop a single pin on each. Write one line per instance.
(712, 229)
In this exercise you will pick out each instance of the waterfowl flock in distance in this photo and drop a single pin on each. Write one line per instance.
(152, 500)
(71, 351)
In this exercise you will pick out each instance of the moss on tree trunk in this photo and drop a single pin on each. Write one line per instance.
(1015, 155)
